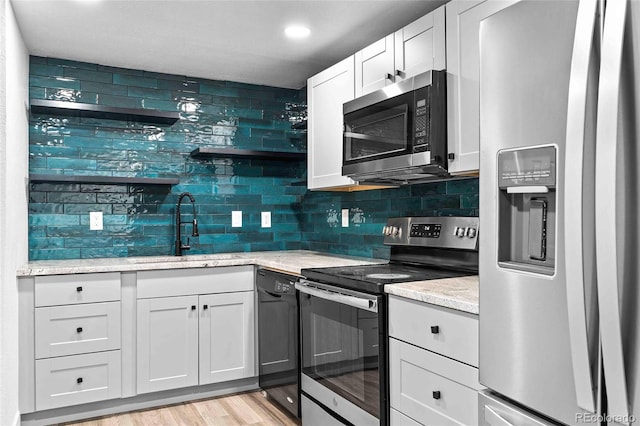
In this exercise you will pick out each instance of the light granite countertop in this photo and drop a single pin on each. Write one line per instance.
(460, 293)
(291, 262)
(455, 293)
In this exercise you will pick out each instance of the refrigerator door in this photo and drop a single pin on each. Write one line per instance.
(617, 197)
(525, 63)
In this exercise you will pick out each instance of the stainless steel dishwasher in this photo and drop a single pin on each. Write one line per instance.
(278, 319)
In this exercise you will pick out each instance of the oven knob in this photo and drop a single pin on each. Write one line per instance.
(460, 231)
(385, 230)
(395, 231)
(472, 232)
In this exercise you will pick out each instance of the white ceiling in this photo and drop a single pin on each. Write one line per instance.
(236, 40)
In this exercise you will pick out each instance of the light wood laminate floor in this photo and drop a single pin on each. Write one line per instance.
(240, 409)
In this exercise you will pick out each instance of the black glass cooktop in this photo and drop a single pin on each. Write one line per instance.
(372, 278)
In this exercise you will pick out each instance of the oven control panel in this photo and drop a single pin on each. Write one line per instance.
(444, 232)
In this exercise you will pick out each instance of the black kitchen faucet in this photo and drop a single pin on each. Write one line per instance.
(179, 246)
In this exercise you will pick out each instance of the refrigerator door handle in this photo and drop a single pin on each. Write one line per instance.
(573, 218)
(606, 197)
(493, 418)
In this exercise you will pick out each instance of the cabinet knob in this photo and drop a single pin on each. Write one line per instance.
(193, 307)
(79, 380)
(435, 329)
(388, 76)
(436, 395)
(79, 330)
(399, 73)
(205, 307)
(79, 289)
(451, 156)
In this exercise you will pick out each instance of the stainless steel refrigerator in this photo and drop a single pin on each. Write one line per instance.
(559, 210)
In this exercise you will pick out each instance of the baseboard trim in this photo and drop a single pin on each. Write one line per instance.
(138, 402)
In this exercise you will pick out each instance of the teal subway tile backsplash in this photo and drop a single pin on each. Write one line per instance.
(139, 219)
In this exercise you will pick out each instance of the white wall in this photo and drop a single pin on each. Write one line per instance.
(14, 158)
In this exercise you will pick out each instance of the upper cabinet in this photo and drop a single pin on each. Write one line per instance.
(463, 19)
(416, 48)
(326, 92)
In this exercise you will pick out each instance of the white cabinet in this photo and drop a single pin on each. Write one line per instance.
(167, 343)
(326, 92)
(463, 19)
(76, 349)
(414, 49)
(194, 339)
(226, 337)
(375, 66)
(433, 354)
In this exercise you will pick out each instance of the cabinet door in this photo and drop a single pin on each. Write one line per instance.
(374, 66)
(227, 339)
(326, 92)
(167, 343)
(463, 19)
(420, 46)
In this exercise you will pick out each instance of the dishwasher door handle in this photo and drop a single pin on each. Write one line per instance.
(367, 304)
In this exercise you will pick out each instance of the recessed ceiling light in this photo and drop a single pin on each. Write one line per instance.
(297, 31)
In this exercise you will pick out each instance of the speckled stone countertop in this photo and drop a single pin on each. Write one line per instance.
(460, 293)
(291, 262)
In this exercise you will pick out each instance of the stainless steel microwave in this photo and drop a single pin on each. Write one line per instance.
(398, 134)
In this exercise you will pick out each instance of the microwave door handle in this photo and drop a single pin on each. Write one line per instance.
(574, 204)
(356, 302)
(609, 277)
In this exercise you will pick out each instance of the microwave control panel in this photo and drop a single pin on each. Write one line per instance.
(421, 118)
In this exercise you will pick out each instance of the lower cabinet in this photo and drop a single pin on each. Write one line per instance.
(102, 336)
(195, 339)
(432, 364)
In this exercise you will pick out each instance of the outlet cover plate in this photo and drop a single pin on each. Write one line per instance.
(345, 218)
(266, 219)
(236, 219)
(95, 221)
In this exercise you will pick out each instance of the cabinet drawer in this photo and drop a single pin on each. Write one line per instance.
(399, 419)
(80, 288)
(77, 329)
(430, 388)
(441, 330)
(77, 379)
(183, 282)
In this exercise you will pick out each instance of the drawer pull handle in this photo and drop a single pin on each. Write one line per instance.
(435, 329)
(205, 307)
(436, 395)
(79, 330)
(79, 289)
(79, 380)
(193, 307)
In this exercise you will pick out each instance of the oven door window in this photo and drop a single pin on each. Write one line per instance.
(379, 131)
(340, 350)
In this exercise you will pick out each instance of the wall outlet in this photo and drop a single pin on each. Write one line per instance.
(345, 218)
(266, 219)
(236, 219)
(95, 221)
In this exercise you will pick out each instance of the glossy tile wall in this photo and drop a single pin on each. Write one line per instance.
(139, 219)
(368, 212)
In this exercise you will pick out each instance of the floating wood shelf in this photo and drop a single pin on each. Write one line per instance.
(103, 179)
(44, 106)
(205, 152)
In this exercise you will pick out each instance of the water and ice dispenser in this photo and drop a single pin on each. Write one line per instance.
(527, 209)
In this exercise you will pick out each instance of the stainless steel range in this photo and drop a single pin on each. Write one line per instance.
(343, 313)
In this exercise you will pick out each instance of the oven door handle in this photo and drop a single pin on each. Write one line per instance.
(370, 305)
